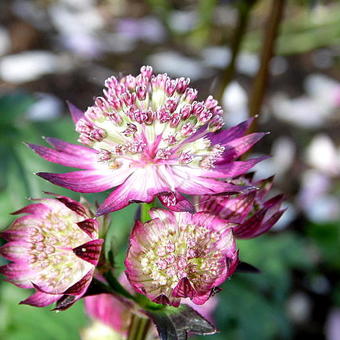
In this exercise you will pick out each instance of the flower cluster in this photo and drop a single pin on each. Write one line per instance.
(147, 137)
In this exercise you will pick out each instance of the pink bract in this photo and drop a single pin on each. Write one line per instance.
(253, 213)
(149, 136)
(179, 255)
(111, 310)
(54, 249)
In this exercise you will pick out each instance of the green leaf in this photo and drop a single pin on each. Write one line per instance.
(179, 323)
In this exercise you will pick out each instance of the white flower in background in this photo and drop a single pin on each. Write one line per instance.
(28, 66)
(323, 155)
(47, 107)
(314, 197)
(178, 65)
(5, 41)
(312, 109)
(283, 154)
(219, 57)
(235, 104)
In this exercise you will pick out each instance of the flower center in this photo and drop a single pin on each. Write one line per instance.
(151, 119)
(188, 252)
(50, 253)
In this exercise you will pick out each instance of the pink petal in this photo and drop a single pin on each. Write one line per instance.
(234, 168)
(35, 208)
(141, 186)
(71, 204)
(226, 136)
(76, 113)
(176, 202)
(40, 299)
(109, 310)
(18, 274)
(89, 251)
(190, 184)
(79, 288)
(184, 289)
(89, 226)
(72, 149)
(88, 180)
(162, 300)
(201, 299)
(239, 146)
(63, 158)
(16, 251)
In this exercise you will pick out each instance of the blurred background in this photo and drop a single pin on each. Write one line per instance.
(57, 50)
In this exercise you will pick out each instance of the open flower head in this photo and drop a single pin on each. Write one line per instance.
(180, 255)
(149, 135)
(53, 248)
(253, 213)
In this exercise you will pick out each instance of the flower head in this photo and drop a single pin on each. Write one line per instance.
(149, 135)
(54, 249)
(180, 255)
(251, 211)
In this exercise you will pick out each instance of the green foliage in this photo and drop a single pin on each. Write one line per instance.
(177, 323)
(326, 238)
(31, 323)
(303, 32)
(252, 306)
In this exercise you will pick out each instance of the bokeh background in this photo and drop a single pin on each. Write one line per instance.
(57, 50)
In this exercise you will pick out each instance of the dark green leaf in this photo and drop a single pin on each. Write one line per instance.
(179, 323)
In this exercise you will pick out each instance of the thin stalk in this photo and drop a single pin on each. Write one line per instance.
(270, 34)
(117, 287)
(243, 9)
(139, 328)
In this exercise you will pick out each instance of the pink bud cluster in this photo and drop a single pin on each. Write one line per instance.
(149, 115)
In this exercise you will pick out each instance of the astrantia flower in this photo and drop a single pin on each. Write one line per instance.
(179, 255)
(149, 136)
(54, 249)
(253, 214)
(110, 310)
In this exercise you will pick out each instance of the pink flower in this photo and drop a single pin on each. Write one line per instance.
(110, 310)
(179, 255)
(149, 136)
(54, 249)
(253, 214)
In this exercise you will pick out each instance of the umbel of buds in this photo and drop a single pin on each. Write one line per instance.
(54, 248)
(147, 137)
(180, 255)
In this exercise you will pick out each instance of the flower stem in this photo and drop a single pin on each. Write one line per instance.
(145, 208)
(139, 328)
(244, 7)
(117, 287)
(268, 46)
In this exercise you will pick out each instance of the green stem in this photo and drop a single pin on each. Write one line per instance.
(244, 8)
(267, 52)
(145, 208)
(117, 287)
(139, 327)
